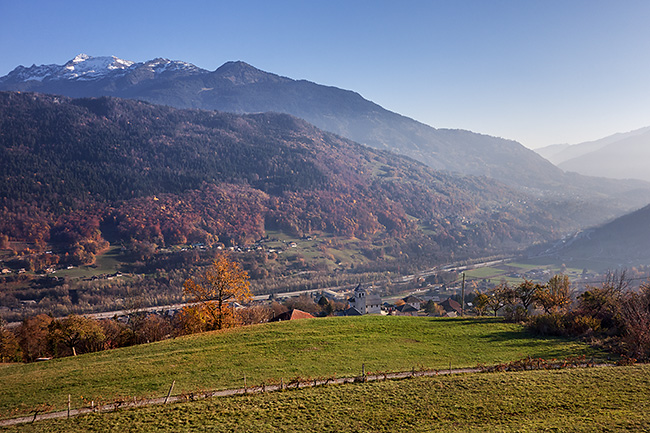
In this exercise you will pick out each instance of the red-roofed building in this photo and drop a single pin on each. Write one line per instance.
(292, 315)
(453, 308)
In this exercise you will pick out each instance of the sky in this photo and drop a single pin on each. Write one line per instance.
(536, 71)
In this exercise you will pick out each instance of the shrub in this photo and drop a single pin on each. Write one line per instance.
(548, 324)
(515, 314)
(635, 315)
(577, 324)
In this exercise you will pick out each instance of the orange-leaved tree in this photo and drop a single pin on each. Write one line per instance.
(555, 295)
(215, 290)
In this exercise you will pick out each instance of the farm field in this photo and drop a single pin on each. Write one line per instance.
(514, 273)
(595, 399)
(269, 352)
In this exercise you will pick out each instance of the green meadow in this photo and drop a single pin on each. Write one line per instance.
(600, 399)
(270, 352)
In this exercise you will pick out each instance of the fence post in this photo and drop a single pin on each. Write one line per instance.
(171, 388)
(69, 398)
(244, 384)
(363, 372)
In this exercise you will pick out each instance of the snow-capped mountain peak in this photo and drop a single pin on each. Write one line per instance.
(88, 68)
(160, 65)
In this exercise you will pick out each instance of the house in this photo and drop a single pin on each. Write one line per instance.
(351, 312)
(294, 314)
(453, 308)
(413, 301)
(406, 310)
(364, 302)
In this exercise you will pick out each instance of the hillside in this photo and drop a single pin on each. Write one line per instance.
(623, 242)
(240, 88)
(309, 348)
(78, 170)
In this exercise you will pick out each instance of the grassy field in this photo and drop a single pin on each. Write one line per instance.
(596, 400)
(106, 263)
(269, 352)
(498, 273)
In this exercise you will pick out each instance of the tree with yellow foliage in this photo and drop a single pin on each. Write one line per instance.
(215, 291)
(555, 295)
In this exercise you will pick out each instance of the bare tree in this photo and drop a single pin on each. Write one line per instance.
(499, 297)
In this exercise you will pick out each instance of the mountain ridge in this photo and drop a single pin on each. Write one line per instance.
(238, 87)
(241, 88)
(90, 68)
(560, 153)
(623, 158)
(161, 175)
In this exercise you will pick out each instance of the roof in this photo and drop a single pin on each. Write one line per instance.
(352, 312)
(294, 314)
(451, 305)
(410, 299)
(406, 308)
(373, 299)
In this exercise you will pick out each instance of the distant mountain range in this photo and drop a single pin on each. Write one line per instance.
(236, 87)
(240, 88)
(619, 156)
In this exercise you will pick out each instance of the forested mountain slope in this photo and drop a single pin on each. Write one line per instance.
(76, 169)
(623, 242)
(241, 88)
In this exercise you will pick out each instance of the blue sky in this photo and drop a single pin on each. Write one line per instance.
(539, 72)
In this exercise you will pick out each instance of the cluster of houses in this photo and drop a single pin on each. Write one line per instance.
(364, 301)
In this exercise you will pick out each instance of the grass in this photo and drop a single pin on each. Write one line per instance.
(485, 273)
(599, 399)
(498, 273)
(105, 263)
(306, 348)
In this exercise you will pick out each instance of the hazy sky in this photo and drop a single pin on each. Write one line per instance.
(539, 72)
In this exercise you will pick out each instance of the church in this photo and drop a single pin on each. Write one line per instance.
(364, 302)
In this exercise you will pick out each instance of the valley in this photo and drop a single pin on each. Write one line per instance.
(123, 184)
(162, 190)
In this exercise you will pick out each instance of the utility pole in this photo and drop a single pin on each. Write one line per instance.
(462, 306)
